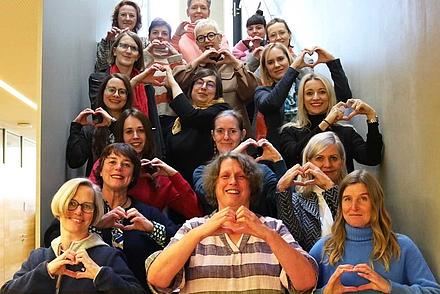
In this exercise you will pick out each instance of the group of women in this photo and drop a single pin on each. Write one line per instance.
(180, 129)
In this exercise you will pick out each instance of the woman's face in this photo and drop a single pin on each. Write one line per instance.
(159, 33)
(316, 99)
(204, 90)
(207, 38)
(76, 222)
(277, 64)
(356, 205)
(127, 17)
(134, 134)
(256, 30)
(126, 52)
(227, 134)
(330, 162)
(115, 95)
(117, 172)
(278, 33)
(232, 188)
(197, 10)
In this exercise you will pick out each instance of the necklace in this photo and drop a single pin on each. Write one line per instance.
(123, 204)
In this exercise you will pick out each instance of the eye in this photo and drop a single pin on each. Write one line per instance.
(309, 93)
(128, 132)
(334, 158)
(233, 131)
(319, 158)
(322, 92)
(126, 164)
(141, 130)
(112, 162)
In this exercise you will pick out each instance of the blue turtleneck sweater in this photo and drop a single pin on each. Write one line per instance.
(408, 274)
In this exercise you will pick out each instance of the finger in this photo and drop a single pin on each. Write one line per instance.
(70, 273)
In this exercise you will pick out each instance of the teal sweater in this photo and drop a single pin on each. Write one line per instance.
(408, 274)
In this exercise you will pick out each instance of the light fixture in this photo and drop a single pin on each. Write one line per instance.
(18, 95)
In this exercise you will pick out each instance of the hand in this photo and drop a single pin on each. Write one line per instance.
(163, 169)
(82, 117)
(244, 146)
(114, 32)
(92, 269)
(138, 221)
(288, 179)
(148, 77)
(216, 224)
(208, 56)
(270, 153)
(57, 266)
(323, 55)
(228, 58)
(248, 223)
(299, 62)
(377, 282)
(359, 107)
(106, 118)
(112, 219)
(336, 113)
(334, 285)
(319, 177)
(257, 52)
(181, 28)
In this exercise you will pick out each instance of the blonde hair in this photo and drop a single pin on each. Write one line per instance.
(316, 145)
(266, 79)
(385, 245)
(302, 118)
(67, 191)
(206, 22)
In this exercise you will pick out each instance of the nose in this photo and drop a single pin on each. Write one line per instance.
(199, 9)
(204, 85)
(135, 134)
(326, 163)
(78, 210)
(232, 180)
(354, 205)
(277, 63)
(315, 95)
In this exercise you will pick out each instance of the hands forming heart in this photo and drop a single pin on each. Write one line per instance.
(252, 43)
(153, 75)
(128, 220)
(261, 150)
(100, 117)
(347, 110)
(306, 175)
(77, 265)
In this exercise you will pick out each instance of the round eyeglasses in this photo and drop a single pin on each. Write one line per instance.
(209, 36)
(86, 207)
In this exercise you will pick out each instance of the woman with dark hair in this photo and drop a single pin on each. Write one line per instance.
(159, 185)
(264, 256)
(363, 254)
(319, 111)
(88, 138)
(189, 142)
(128, 224)
(250, 49)
(77, 261)
(307, 199)
(126, 17)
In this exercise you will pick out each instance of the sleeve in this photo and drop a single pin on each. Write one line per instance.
(419, 277)
(270, 181)
(270, 100)
(286, 213)
(239, 50)
(331, 198)
(194, 117)
(155, 215)
(317, 253)
(182, 198)
(246, 84)
(79, 145)
(32, 277)
(342, 88)
(293, 141)
(370, 152)
(102, 54)
(252, 63)
(200, 190)
(116, 277)
(92, 176)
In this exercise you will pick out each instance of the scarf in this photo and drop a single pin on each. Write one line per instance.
(325, 215)
(177, 126)
(140, 100)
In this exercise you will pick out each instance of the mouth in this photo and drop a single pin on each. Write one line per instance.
(118, 177)
(116, 101)
(76, 220)
(232, 191)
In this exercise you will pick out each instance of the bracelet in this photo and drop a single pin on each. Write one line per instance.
(324, 120)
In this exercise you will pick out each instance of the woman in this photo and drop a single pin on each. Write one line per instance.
(276, 99)
(134, 227)
(159, 185)
(87, 138)
(228, 133)
(319, 112)
(200, 256)
(363, 254)
(189, 142)
(309, 211)
(77, 261)
(126, 17)
(237, 81)
(250, 49)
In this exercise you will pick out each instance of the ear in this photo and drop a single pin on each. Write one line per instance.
(243, 134)
(187, 12)
(114, 51)
(212, 135)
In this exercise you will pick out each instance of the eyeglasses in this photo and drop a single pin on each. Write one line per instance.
(86, 207)
(124, 46)
(112, 91)
(209, 36)
(210, 85)
(221, 132)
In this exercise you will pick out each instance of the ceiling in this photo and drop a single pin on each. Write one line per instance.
(20, 64)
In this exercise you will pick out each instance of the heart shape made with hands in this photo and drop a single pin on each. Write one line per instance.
(159, 48)
(303, 179)
(253, 43)
(233, 226)
(215, 56)
(255, 151)
(311, 58)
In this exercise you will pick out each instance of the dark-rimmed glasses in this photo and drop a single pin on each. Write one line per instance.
(209, 36)
(86, 207)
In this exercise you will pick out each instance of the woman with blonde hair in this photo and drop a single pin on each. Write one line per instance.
(307, 202)
(363, 254)
(318, 112)
(77, 261)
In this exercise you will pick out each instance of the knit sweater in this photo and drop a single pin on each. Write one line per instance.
(408, 274)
